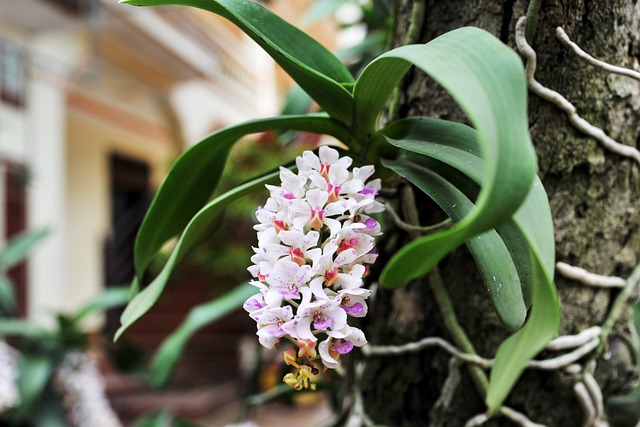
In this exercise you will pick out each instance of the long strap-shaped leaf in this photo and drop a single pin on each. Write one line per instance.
(22, 328)
(108, 299)
(315, 69)
(487, 80)
(534, 220)
(488, 249)
(198, 229)
(456, 145)
(34, 374)
(7, 296)
(19, 246)
(453, 144)
(194, 176)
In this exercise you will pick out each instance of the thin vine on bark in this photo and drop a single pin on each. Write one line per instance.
(593, 194)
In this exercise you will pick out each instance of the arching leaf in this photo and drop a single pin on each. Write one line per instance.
(456, 145)
(487, 80)
(108, 299)
(544, 318)
(34, 374)
(22, 328)
(196, 231)
(541, 326)
(7, 296)
(19, 246)
(205, 314)
(488, 249)
(194, 176)
(528, 235)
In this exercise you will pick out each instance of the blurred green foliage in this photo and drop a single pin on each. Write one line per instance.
(40, 350)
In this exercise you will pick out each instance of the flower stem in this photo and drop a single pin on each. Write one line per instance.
(616, 310)
(441, 296)
(455, 329)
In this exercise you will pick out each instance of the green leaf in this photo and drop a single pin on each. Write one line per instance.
(18, 247)
(7, 296)
(33, 376)
(487, 80)
(436, 137)
(528, 236)
(541, 326)
(313, 67)
(456, 145)
(518, 248)
(509, 231)
(532, 230)
(196, 231)
(108, 299)
(531, 225)
(165, 359)
(489, 251)
(543, 323)
(194, 176)
(23, 328)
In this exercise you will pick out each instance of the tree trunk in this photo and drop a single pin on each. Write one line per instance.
(593, 195)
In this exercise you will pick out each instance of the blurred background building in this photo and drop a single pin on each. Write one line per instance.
(96, 100)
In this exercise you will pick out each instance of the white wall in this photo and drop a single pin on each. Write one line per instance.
(45, 141)
(91, 140)
(48, 278)
(13, 129)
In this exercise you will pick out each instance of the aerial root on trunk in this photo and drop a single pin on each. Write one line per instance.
(561, 102)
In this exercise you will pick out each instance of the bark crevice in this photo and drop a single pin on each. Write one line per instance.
(593, 196)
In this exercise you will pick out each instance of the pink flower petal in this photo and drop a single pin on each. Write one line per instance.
(342, 346)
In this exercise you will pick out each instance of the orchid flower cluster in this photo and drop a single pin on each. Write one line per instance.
(315, 239)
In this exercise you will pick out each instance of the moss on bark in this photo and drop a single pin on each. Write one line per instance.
(593, 196)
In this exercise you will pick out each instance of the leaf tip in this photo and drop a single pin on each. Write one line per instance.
(389, 280)
(126, 320)
(119, 333)
(385, 279)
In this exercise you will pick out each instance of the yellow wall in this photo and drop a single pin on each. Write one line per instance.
(94, 134)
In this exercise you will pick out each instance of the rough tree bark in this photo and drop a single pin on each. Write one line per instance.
(593, 195)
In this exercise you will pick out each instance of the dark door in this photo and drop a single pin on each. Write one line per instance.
(129, 202)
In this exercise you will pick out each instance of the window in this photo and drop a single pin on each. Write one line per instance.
(12, 75)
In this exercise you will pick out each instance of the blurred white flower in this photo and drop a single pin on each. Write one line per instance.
(9, 395)
(82, 388)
